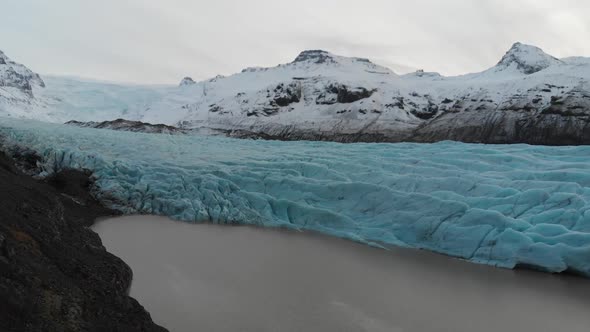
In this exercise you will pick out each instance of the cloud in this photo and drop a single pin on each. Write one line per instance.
(154, 41)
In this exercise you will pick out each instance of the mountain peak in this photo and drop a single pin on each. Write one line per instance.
(187, 81)
(3, 58)
(18, 76)
(528, 59)
(325, 57)
(315, 56)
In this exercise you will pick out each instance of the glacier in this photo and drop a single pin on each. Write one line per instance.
(502, 205)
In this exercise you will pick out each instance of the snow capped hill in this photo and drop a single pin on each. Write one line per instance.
(17, 83)
(15, 75)
(526, 59)
(186, 81)
(529, 96)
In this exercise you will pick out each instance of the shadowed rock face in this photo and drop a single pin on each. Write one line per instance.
(287, 94)
(127, 125)
(506, 127)
(187, 81)
(316, 56)
(55, 275)
(565, 120)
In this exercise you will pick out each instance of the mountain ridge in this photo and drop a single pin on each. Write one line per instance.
(323, 96)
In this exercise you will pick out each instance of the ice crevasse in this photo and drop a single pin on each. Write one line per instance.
(502, 205)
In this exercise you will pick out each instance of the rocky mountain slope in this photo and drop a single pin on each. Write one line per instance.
(528, 97)
(16, 88)
(127, 125)
(55, 275)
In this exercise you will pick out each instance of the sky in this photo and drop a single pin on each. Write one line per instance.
(149, 41)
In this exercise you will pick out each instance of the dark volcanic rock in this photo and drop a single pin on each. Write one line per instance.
(316, 56)
(346, 95)
(567, 125)
(340, 93)
(284, 95)
(187, 81)
(292, 133)
(55, 275)
(427, 112)
(127, 125)
(506, 127)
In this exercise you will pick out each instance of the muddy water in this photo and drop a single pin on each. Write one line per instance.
(228, 278)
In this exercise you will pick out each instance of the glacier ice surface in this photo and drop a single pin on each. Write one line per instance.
(502, 205)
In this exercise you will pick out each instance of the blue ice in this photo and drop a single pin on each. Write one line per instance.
(502, 205)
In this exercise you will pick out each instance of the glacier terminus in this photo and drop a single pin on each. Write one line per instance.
(503, 205)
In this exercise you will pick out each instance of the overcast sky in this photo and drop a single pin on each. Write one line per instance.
(160, 41)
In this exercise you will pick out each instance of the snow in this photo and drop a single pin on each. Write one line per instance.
(186, 81)
(15, 74)
(246, 100)
(526, 59)
(507, 205)
(16, 85)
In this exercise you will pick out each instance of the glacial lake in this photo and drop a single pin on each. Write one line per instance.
(203, 277)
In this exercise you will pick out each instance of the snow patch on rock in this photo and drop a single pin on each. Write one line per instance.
(187, 81)
(526, 59)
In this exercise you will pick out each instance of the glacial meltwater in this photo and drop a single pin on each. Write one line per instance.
(203, 277)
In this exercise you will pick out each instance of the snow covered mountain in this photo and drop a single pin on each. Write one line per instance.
(16, 87)
(529, 96)
(526, 59)
(187, 81)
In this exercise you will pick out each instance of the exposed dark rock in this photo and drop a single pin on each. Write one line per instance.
(253, 69)
(187, 81)
(471, 123)
(285, 95)
(216, 78)
(215, 108)
(127, 125)
(340, 93)
(506, 127)
(571, 104)
(290, 133)
(427, 112)
(278, 97)
(55, 275)
(315, 56)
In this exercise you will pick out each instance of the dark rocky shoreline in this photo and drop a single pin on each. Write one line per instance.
(55, 274)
